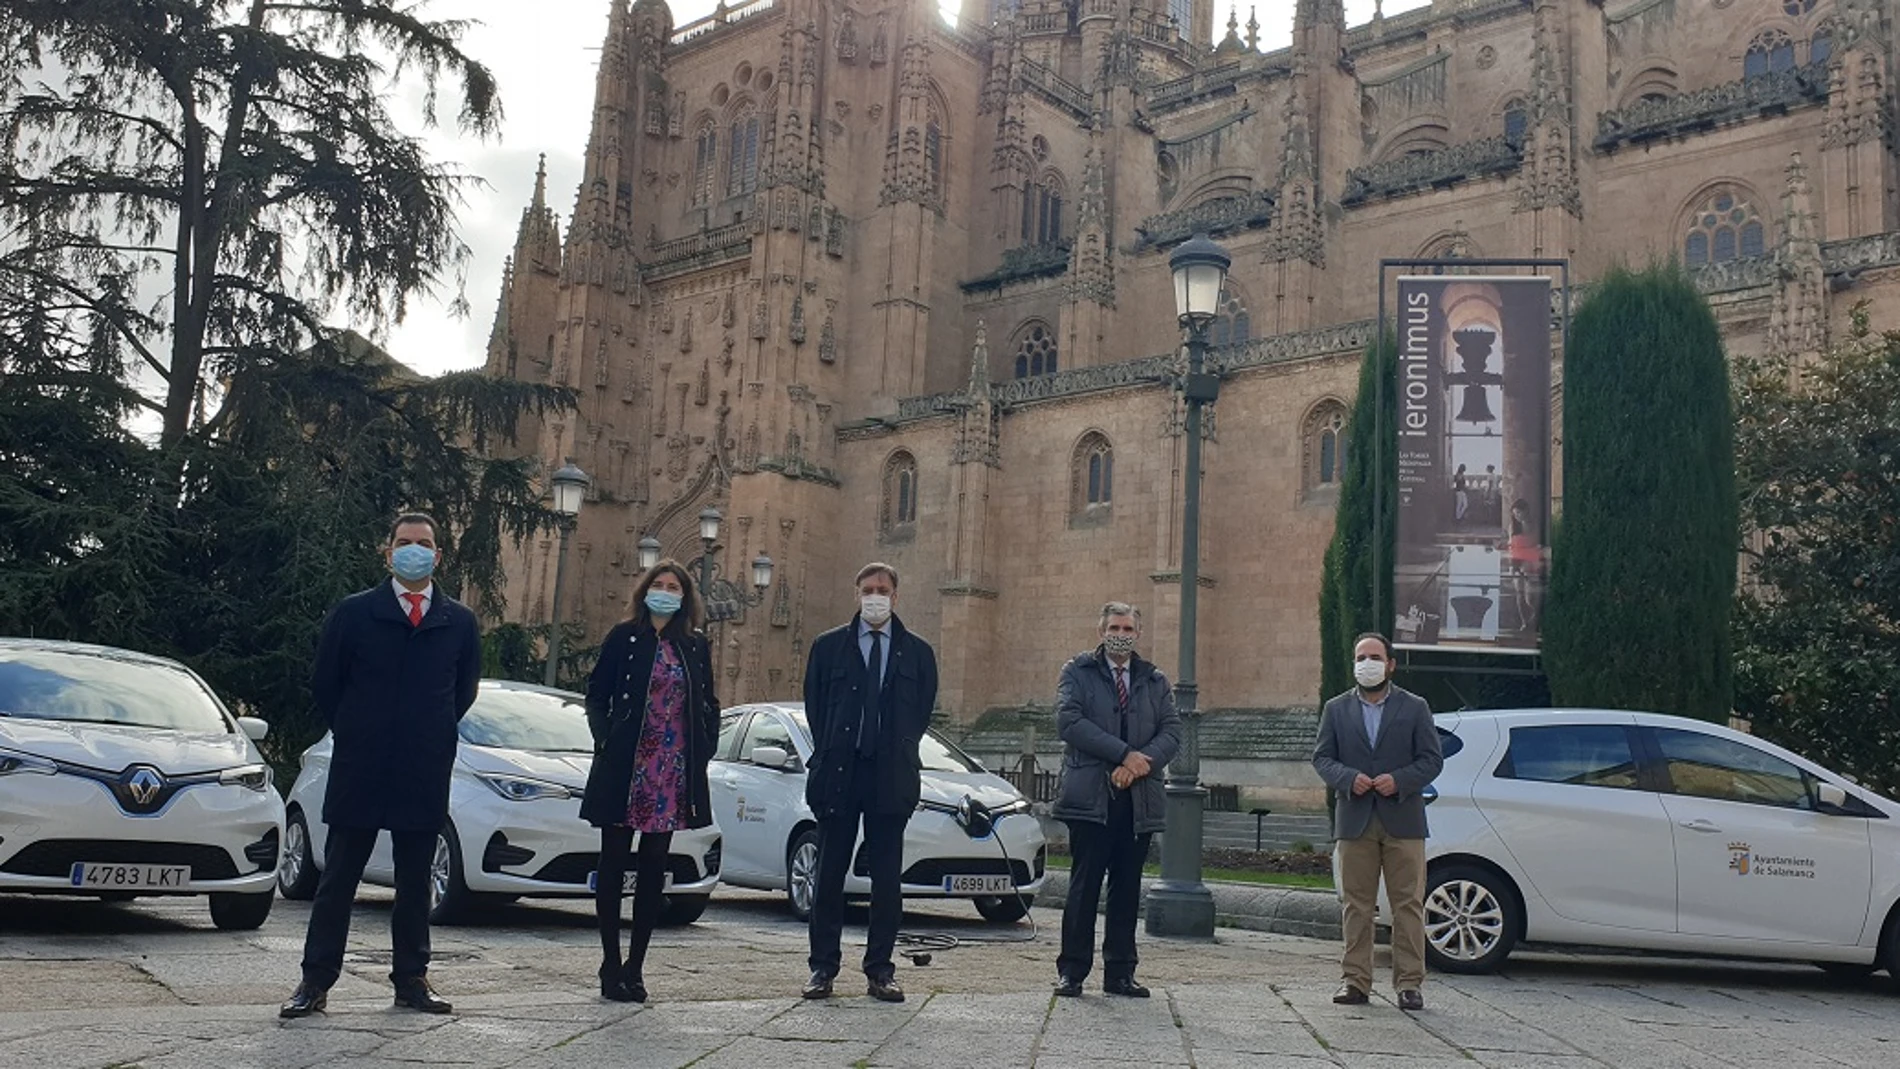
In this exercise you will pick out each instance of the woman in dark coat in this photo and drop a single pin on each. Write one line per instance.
(655, 720)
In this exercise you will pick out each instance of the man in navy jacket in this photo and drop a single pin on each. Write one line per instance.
(397, 666)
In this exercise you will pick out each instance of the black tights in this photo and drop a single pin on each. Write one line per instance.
(648, 895)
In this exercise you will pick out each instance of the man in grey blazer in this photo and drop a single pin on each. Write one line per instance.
(1378, 750)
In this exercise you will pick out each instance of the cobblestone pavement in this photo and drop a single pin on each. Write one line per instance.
(152, 984)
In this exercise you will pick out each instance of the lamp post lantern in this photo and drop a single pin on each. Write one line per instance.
(568, 487)
(649, 552)
(1179, 904)
(709, 520)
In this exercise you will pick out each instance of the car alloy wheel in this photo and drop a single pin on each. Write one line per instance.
(441, 871)
(296, 868)
(801, 872)
(1470, 922)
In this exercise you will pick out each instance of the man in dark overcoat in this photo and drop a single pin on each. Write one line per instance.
(397, 666)
(1115, 713)
(869, 689)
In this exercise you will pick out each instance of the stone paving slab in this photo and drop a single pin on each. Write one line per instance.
(154, 985)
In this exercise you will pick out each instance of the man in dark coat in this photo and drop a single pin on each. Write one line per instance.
(397, 666)
(1378, 750)
(869, 689)
(1115, 714)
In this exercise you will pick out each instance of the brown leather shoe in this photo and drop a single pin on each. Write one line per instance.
(884, 990)
(1348, 995)
(1410, 999)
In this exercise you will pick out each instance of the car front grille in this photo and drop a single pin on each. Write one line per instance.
(931, 871)
(56, 857)
(573, 868)
(500, 854)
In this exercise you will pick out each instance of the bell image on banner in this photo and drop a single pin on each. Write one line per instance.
(1473, 462)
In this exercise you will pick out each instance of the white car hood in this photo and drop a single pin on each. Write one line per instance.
(566, 769)
(950, 787)
(112, 747)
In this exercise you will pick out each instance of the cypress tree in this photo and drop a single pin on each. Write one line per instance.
(1345, 595)
(1643, 564)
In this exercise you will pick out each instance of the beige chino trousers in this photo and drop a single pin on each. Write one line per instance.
(1362, 862)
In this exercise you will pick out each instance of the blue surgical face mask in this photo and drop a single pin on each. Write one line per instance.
(412, 563)
(662, 602)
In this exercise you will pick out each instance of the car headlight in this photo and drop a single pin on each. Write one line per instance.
(13, 762)
(1021, 805)
(252, 777)
(523, 789)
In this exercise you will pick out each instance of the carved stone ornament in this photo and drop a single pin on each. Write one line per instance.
(1430, 170)
(1689, 113)
(797, 331)
(1223, 216)
(828, 342)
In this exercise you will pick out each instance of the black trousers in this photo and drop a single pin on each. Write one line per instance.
(346, 852)
(1097, 850)
(649, 897)
(884, 857)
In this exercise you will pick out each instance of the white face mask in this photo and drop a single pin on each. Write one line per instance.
(875, 608)
(1369, 674)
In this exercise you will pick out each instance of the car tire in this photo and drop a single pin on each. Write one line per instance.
(234, 912)
(1471, 919)
(801, 872)
(1890, 950)
(682, 910)
(297, 869)
(449, 897)
(1002, 909)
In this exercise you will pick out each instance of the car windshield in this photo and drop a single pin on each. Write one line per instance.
(937, 753)
(98, 687)
(527, 720)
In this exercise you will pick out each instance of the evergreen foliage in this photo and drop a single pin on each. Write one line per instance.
(1643, 562)
(1817, 627)
(1345, 597)
(191, 463)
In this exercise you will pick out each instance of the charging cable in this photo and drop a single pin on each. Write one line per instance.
(976, 821)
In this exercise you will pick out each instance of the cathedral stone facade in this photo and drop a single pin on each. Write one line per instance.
(877, 287)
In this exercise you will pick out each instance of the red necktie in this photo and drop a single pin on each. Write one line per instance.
(415, 609)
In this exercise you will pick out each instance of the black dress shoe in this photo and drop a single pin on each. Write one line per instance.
(1124, 986)
(1068, 987)
(1411, 999)
(416, 995)
(819, 986)
(884, 990)
(303, 1002)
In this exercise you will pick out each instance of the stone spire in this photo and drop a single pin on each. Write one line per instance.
(1548, 175)
(1091, 266)
(913, 159)
(501, 334)
(977, 439)
(1297, 231)
(1797, 323)
(1231, 44)
(538, 239)
(1253, 30)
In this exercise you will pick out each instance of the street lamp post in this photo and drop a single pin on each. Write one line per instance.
(1179, 904)
(569, 487)
(720, 607)
(709, 520)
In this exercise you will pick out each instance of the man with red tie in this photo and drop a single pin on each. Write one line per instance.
(397, 666)
(1115, 714)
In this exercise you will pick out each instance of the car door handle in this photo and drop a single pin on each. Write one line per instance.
(1699, 825)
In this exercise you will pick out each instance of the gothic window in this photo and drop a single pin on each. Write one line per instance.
(1821, 47)
(1092, 477)
(1517, 121)
(1042, 211)
(1182, 12)
(1797, 7)
(1036, 352)
(1725, 227)
(705, 159)
(1323, 447)
(897, 513)
(1771, 51)
(933, 154)
(1231, 324)
(742, 158)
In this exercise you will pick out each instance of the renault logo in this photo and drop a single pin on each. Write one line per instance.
(143, 785)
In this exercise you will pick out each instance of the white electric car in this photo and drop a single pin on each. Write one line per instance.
(123, 775)
(1638, 830)
(758, 797)
(514, 826)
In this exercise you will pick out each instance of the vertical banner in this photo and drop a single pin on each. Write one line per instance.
(1473, 462)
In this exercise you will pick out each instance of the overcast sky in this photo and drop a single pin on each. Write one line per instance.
(544, 55)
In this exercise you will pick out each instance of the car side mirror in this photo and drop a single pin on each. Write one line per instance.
(773, 757)
(1830, 796)
(253, 728)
